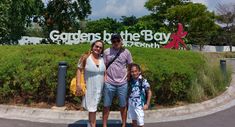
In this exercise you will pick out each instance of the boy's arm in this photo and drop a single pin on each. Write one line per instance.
(146, 106)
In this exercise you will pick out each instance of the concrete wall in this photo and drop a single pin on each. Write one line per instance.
(29, 40)
(209, 48)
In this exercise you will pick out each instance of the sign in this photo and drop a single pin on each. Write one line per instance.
(177, 38)
(129, 39)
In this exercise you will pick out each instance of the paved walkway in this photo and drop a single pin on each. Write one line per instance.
(218, 112)
(219, 119)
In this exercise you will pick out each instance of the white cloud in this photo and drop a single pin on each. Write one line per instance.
(201, 1)
(212, 4)
(118, 8)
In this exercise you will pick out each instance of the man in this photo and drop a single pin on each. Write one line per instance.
(117, 60)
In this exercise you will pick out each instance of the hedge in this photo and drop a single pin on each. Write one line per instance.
(29, 73)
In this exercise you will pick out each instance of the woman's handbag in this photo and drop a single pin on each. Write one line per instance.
(73, 85)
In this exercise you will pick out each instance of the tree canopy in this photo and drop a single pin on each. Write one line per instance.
(64, 15)
(15, 16)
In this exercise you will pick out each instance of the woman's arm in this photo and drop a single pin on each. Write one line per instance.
(78, 91)
(105, 75)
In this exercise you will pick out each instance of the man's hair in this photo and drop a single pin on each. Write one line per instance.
(116, 36)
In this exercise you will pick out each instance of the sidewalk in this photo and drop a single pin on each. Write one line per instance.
(222, 102)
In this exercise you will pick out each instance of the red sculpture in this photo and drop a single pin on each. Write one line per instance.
(177, 38)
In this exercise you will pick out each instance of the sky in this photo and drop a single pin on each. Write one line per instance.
(118, 8)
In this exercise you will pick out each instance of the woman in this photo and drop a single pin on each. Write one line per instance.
(92, 64)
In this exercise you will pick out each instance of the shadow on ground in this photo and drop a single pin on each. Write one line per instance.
(111, 123)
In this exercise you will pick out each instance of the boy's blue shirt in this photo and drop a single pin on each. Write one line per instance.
(137, 96)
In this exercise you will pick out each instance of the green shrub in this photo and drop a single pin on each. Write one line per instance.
(210, 81)
(30, 72)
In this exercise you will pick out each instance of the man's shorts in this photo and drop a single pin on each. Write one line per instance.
(111, 90)
(137, 114)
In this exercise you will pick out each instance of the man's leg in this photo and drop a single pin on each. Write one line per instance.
(123, 111)
(105, 116)
(122, 95)
(109, 92)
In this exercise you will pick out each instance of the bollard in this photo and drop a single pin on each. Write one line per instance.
(1, 83)
(223, 67)
(60, 95)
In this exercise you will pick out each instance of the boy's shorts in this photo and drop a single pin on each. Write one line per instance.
(137, 114)
(111, 90)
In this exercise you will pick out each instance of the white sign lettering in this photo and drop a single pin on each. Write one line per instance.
(129, 39)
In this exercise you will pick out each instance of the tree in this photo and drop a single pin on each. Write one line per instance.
(199, 21)
(226, 15)
(64, 15)
(129, 21)
(108, 24)
(4, 8)
(17, 15)
(159, 8)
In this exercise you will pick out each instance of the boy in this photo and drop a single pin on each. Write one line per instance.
(137, 102)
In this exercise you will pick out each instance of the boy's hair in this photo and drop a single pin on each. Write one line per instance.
(135, 65)
(129, 77)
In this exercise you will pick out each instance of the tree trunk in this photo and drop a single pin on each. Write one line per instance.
(231, 47)
(200, 47)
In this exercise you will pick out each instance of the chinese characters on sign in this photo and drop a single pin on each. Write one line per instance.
(177, 38)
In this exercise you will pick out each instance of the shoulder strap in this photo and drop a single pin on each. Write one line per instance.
(119, 52)
(143, 92)
(141, 84)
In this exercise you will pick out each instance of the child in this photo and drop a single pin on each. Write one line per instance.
(139, 96)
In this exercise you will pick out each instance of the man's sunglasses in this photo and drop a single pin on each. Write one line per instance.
(116, 41)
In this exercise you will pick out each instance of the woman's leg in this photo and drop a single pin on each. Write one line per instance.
(92, 119)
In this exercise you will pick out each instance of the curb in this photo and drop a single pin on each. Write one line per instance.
(220, 103)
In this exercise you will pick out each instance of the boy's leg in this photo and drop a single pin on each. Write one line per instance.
(140, 117)
(132, 115)
(122, 95)
(109, 92)
(134, 123)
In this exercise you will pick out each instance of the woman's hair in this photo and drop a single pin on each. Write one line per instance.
(87, 54)
(93, 44)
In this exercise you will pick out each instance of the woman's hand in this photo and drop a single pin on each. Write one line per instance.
(78, 90)
(105, 76)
